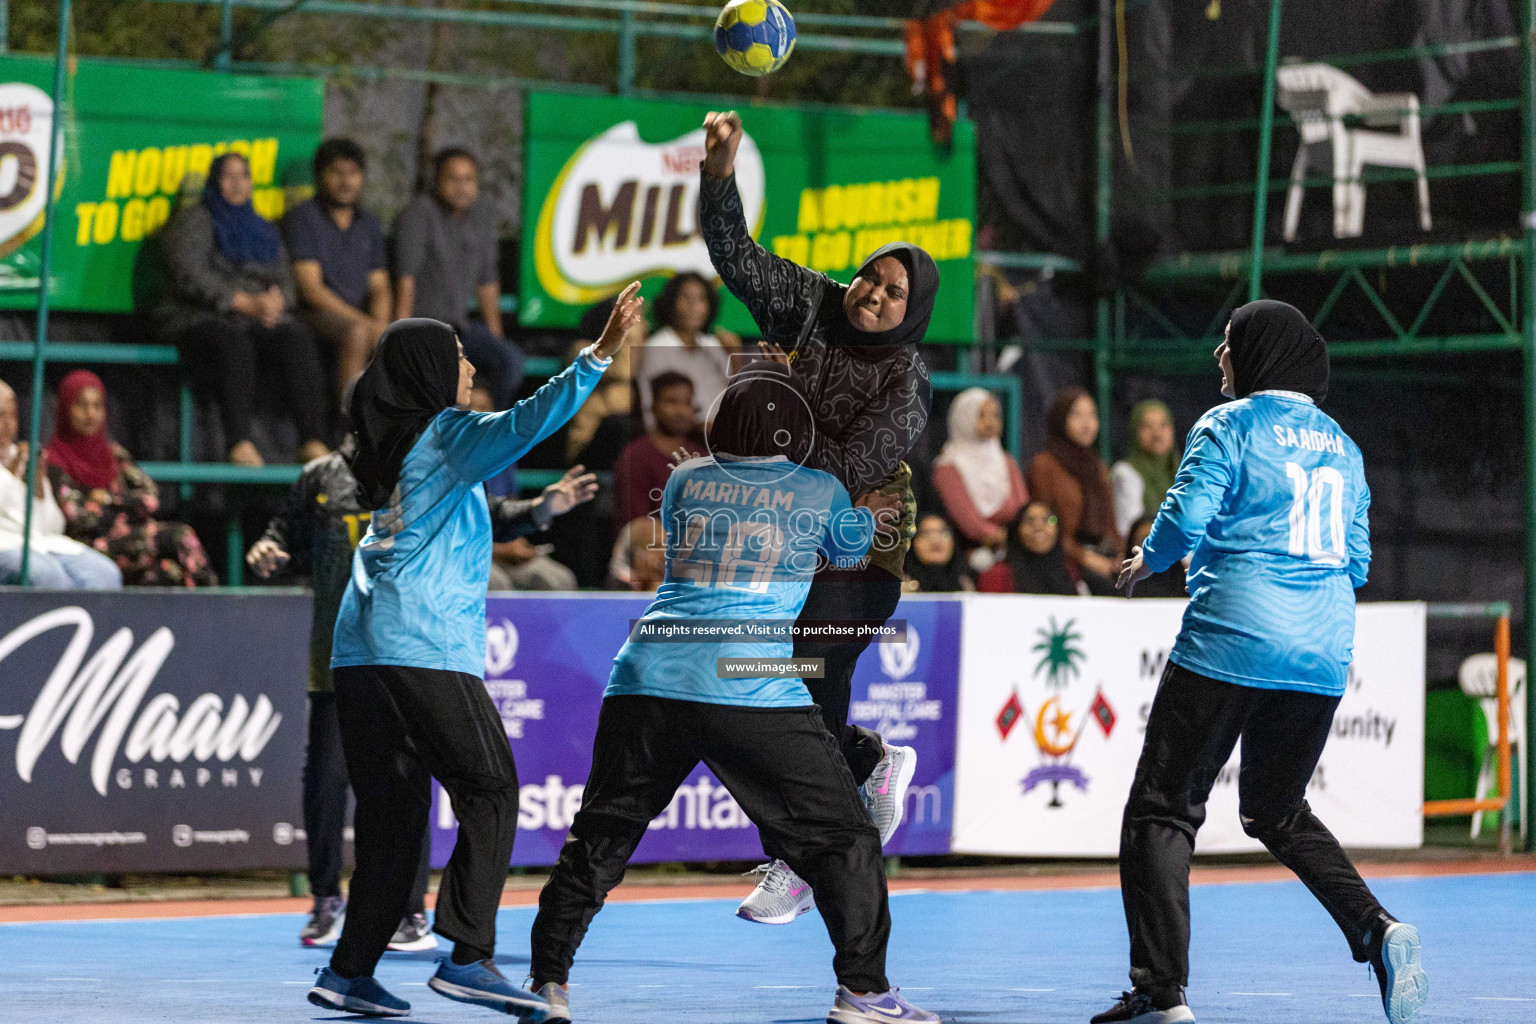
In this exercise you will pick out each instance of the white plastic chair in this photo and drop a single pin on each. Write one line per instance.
(1478, 677)
(1319, 97)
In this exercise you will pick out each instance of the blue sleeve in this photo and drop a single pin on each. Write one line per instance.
(1205, 475)
(478, 445)
(1360, 537)
(849, 530)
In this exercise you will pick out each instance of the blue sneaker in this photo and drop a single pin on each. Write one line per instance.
(875, 1008)
(359, 995)
(1394, 954)
(482, 984)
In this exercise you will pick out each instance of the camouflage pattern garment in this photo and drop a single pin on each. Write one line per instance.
(871, 405)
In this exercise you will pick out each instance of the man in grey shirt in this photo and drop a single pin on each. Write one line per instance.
(445, 263)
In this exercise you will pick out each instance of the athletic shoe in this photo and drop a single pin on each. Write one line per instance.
(559, 999)
(874, 1008)
(1394, 952)
(359, 995)
(885, 791)
(413, 935)
(779, 898)
(1140, 1008)
(325, 921)
(482, 984)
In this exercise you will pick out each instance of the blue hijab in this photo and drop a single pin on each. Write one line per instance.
(243, 236)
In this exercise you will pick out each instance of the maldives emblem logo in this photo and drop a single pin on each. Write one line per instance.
(1057, 728)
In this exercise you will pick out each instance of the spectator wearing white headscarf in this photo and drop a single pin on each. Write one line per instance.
(980, 483)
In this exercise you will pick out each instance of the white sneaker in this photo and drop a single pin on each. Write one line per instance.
(779, 898)
(559, 1000)
(413, 936)
(885, 791)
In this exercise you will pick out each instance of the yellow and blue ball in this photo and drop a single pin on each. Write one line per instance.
(755, 37)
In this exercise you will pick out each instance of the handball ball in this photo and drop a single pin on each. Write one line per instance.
(755, 37)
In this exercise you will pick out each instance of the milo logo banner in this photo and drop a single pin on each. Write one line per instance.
(151, 731)
(611, 193)
(1055, 694)
(132, 139)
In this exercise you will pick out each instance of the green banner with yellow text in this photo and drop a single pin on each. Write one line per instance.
(133, 138)
(611, 186)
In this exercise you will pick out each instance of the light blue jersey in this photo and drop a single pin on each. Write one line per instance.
(1271, 498)
(417, 594)
(742, 540)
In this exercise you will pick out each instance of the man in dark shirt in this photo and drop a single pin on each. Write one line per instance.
(316, 529)
(641, 473)
(445, 262)
(338, 258)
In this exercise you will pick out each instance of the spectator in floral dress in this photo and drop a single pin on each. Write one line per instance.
(110, 503)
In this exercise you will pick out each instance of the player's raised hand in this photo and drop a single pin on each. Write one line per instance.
(627, 309)
(572, 489)
(722, 136)
(1132, 571)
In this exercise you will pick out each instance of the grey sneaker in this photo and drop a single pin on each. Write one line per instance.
(325, 921)
(885, 791)
(779, 898)
(413, 935)
(874, 1008)
(559, 999)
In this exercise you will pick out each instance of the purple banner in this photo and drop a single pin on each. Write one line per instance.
(547, 662)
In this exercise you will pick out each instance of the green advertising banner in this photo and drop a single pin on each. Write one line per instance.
(611, 186)
(131, 137)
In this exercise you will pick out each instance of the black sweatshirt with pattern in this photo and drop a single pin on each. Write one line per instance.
(870, 404)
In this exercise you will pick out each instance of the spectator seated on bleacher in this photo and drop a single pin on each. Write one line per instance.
(686, 343)
(641, 473)
(934, 563)
(446, 262)
(1141, 479)
(339, 263)
(979, 483)
(228, 306)
(1071, 478)
(1034, 563)
(55, 562)
(1169, 582)
(111, 504)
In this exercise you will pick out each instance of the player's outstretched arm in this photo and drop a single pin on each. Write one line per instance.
(777, 292)
(480, 445)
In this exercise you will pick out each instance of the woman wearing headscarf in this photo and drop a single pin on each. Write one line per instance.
(228, 306)
(1070, 477)
(686, 341)
(408, 656)
(109, 502)
(1034, 563)
(1142, 478)
(979, 483)
(1271, 501)
(935, 564)
(852, 350)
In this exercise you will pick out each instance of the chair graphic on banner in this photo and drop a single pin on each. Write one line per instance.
(1478, 678)
(1336, 113)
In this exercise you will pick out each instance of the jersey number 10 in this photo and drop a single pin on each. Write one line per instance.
(1308, 537)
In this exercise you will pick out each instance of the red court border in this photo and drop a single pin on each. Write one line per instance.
(732, 888)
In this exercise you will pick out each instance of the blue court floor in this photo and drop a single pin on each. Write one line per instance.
(1263, 953)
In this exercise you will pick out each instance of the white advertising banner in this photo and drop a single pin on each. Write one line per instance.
(1054, 698)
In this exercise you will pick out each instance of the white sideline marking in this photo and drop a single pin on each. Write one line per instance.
(71, 979)
(1031, 990)
(650, 986)
(1259, 993)
(1506, 999)
(781, 986)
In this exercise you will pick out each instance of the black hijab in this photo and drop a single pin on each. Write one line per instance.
(762, 413)
(1032, 572)
(922, 290)
(1275, 348)
(413, 376)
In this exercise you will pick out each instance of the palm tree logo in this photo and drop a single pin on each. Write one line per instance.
(1059, 652)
